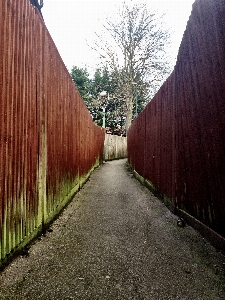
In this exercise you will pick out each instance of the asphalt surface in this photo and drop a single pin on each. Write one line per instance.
(115, 240)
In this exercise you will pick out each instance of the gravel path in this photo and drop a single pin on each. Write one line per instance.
(116, 240)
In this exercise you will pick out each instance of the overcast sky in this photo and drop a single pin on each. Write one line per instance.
(72, 23)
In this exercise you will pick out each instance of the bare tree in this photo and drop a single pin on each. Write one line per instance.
(135, 51)
(39, 4)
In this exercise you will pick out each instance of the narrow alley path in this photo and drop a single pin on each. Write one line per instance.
(116, 240)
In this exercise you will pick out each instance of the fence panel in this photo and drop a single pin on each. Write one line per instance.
(185, 122)
(115, 147)
(48, 142)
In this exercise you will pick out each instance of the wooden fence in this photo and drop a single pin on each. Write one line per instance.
(48, 142)
(115, 147)
(177, 142)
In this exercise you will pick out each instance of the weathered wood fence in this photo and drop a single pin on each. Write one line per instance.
(48, 142)
(115, 147)
(177, 143)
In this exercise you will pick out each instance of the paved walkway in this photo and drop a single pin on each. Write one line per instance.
(116, 240)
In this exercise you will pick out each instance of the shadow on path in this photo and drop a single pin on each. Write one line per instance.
(116, 240)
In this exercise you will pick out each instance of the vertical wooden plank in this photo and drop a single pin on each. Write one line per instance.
(24, 121)
(12, 126)
(7, 112)
(2, 111)
(20, 130)
(17, 209)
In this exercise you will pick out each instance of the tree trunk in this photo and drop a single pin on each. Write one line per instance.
(129, 114)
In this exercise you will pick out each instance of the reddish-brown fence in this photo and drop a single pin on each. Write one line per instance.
(48, 142)
(178, 142)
